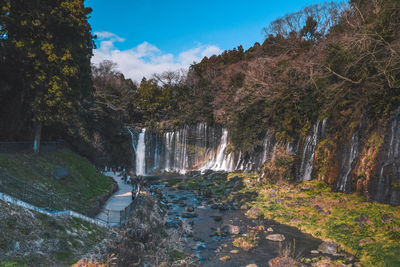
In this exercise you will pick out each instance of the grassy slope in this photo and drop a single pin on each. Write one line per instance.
(31, 239)
(368, 230)
(84, 183)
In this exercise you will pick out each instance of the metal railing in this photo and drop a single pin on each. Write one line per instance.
(57, 202)
(35, 195)
(116, 217)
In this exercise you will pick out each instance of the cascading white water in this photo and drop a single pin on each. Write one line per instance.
(133, 140)
(198, 147)
(221, 161)
(347, 165)
(307, 162)
(141, 154)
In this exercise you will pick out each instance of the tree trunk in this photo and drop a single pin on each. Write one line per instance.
(36, 140)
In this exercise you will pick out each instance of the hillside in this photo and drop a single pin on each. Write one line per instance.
(28, 238)
(32, 178)
(324, 83)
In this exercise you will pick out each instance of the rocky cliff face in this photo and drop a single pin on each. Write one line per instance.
(364, 161)
(386, 186)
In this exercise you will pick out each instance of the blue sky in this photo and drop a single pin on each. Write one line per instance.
(148, 36)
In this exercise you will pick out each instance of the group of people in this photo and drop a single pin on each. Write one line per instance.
(128, 178)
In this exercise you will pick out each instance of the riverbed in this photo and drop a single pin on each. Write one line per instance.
(210, 229)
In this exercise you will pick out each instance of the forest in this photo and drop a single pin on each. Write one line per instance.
(332, 60)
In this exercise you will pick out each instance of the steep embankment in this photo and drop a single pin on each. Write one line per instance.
(28, 238)
(56, 180)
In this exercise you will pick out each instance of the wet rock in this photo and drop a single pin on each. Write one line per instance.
(234, 251)
(217, 218)
(328, 248)
(283, 262)
(190, 209)
(225, 258)
(189, 215)
(275, 237)
(214, 206)
(207, 173)
(208, 193)
(325, 262)
(193, 174)
(231, 229)
(173, 224)
(219, 175)
(253, 212)
(181, 187)
(223, 207)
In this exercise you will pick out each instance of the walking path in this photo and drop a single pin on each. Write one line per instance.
(117, 202)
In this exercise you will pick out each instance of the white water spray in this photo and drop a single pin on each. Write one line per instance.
(141, 154)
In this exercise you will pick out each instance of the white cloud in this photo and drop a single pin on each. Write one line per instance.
(146, 59)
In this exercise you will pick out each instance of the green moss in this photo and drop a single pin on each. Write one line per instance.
(358, 226)
(12, 264)
(175, 255)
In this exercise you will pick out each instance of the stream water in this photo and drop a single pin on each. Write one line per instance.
(202, 221)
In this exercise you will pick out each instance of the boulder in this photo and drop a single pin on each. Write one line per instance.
(225, 258)
(328, 248)
(190, 209)
(253, 212)
(283, 262)
(189, 215)
(275, 237)
(231, 229)
(61, 173)
(173, 224)
(217, 218)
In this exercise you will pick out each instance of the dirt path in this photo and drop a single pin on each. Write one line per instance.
(118, 201)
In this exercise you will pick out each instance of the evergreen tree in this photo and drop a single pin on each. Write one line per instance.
(47, 46)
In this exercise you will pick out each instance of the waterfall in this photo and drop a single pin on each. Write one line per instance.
(133, 140)
(388, 170)
(141, 154)
(347, 165)
(323, 128)
(168, 151)
(307, 161)
(196, 147)
(221, 161)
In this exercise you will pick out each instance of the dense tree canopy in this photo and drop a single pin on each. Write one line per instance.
(46, 48)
